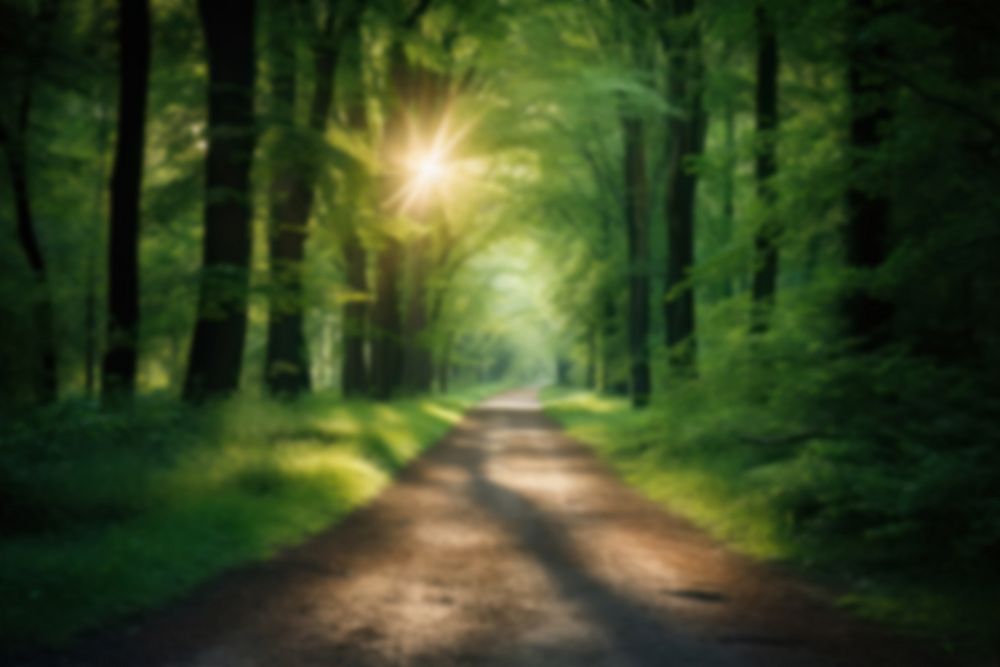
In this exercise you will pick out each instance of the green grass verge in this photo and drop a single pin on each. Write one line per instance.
(105, 514)
(754, 498)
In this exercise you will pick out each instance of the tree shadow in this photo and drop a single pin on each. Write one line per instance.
(634, 632)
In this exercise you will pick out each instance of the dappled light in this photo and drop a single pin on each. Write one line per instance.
(447, 333)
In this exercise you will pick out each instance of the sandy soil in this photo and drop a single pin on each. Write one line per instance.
(507, 544)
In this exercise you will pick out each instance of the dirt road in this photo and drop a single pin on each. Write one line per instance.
(508, 544)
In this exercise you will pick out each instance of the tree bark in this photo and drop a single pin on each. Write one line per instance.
(46, 383)
(418, 361)
(729, 192)
(637, 226)
(287, 357)
(388, 352)
(686, 136)
(15, 144)
(217, 348)
(354, 369)
(90, 322)
(765, 267)
(590, 374)
(868, 318)
(354, 380)
(386, 345)
(444, 363)
(118, 368)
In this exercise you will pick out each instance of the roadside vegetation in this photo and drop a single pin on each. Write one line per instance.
(108, 513)
(897, 536)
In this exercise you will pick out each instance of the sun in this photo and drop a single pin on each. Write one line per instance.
(429, 170)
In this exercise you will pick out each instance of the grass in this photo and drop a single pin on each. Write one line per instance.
(105, 514)
(797, 504)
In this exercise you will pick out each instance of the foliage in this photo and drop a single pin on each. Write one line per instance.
(905, 528)
(107, 513)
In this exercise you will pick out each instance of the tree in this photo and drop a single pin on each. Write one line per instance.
(685, 140)
(866, 232)
(14, 140)
(118, 368)
(637, 226)
(293, 192)
(387, 324)
(388, 350)
(354, 367)
(765, 266)
(217, 348)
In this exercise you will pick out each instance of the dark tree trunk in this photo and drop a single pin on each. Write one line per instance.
(387, 322)
(868, 318)
(386, 345)
(91, 276)
(388, 333)
(686, 136)
(354, 380)
(287, 357)
(46, 380)
(765, 266)
(611, 381)
(354, 369)
(563, 369)
(118, 369)
(14, 141)
(637, 225)
(90, 331)
(418, 362)
(217, 348)
(729, 192)
(591, 371)
(286, 370)
(444, 364)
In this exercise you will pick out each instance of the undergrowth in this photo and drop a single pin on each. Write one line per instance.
(873, 479)
(106, 513)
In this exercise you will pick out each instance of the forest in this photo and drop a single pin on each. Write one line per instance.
(258, 256)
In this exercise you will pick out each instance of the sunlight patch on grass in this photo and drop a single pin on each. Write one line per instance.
(124, 512)
(436, 410)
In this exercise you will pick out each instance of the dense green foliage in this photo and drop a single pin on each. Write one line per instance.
(107, 514)
(845, 415)
(772, 223)
(901, 540)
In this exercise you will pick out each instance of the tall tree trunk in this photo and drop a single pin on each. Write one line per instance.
(388, 334)
(217, 348)
(418, 359)
(637, 225)
(444, 363)
(591, 370)
(868, 318)
(354, 369)
(387, 346)
(686, 133)
(46, 378)
(14, 141)
(118, 369)
(287, 365)
(354, 380)
(563, 369)
(729, 191)
(686, 137)
(91, 276)
(765, 266)
(387, 322)
(614, 383)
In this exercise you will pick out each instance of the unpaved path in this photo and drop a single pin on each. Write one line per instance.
(508, 544)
